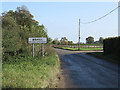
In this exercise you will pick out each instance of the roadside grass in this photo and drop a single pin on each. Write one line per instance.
(81, 49)
(30, 72)
(0, 62)
(112, 58)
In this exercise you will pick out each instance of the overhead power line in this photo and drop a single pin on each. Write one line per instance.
(100, 17)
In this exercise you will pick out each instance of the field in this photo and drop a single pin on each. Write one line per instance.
(81, 49)
(31, 72)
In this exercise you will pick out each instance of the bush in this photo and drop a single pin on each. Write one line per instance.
(112, 46)
(17, 27)
(49, 51)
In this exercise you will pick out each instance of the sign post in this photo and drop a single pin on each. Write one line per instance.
(42, 49)
(34, 40)
(33, 49)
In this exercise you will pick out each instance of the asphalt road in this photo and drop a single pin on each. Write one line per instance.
(83, 71)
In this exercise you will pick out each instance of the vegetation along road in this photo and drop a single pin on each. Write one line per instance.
(83, 71)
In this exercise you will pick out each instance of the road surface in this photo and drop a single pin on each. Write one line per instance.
(83, 71)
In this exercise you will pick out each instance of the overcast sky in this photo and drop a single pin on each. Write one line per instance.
(61, 18)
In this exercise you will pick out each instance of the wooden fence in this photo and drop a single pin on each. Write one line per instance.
(81, 46)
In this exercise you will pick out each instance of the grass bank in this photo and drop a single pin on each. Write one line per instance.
(112, 58)
(31, 72)
(81, 49)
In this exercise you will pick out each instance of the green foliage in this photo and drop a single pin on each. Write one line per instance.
(112, 46)
(10, 31)
(63, 40)
(70, 42)
(101, 40)
(49, 40)
(23, 17)
(11, 38)
(20, 70)
(49, 51)
(30, 72)
(56, 41)
(90, 40)
(17, 27)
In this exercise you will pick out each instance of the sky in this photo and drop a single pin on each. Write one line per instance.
(62, 18)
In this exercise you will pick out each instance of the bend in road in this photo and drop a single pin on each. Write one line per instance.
(83, 71)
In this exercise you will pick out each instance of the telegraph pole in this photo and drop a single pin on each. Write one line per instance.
(79, 37)
(119, 18)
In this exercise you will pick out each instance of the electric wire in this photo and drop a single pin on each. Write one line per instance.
(100, 17)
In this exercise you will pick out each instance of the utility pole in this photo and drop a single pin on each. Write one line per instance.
(79, 37)
(119, 18)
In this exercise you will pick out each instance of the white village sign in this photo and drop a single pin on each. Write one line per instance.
(34, 40)
(37, 40)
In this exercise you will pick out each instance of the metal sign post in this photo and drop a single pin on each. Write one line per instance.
(42, 49)
(33, 49)
(37, 40)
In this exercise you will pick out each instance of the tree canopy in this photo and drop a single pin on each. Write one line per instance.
(101, 40)
(90, 40)
(64, 41)
(17, 27)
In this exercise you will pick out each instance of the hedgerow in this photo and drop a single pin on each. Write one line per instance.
(112, 46)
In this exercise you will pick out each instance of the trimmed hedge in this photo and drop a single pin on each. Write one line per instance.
(112, 46)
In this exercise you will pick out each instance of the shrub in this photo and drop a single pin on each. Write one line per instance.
(49, 51)
(17, 27)
(112, 46)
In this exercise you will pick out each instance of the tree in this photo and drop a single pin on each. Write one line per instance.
(23, 17)
(90, 40)
(66, 42)
(96, 42)
(63, 40)
(9, 13)
(49, 40)
(17, 27)
(10, 35)
(101, 40)
(55, 41)
(70, 42)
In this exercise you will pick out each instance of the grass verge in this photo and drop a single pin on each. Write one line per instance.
(81, 49)
(112, 58)
(31, 72)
